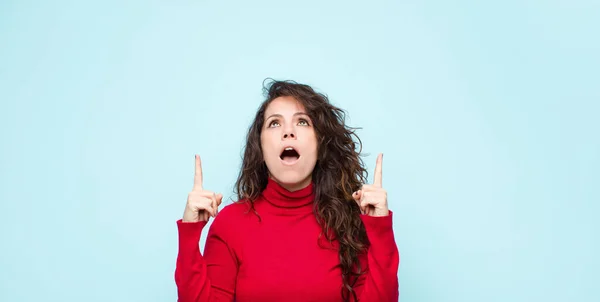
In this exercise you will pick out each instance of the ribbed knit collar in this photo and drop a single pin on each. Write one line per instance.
(280, 197)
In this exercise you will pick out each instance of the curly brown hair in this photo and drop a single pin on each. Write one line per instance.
(339, 172)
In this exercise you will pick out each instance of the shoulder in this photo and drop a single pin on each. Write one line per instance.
(234, 210)
(232, 216)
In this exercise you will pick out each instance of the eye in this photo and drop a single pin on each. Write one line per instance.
(273, 123)
(303, 122)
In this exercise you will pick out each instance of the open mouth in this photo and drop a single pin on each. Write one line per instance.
(289, 155)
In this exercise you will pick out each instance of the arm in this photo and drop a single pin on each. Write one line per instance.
(210, 277)
(204, 278)
(380, 282)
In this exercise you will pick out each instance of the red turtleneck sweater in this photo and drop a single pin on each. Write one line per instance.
(279, 257)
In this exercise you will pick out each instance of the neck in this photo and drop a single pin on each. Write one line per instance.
(293, 187)
(289, 202)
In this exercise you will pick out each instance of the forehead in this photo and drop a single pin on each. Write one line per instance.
(284, 105)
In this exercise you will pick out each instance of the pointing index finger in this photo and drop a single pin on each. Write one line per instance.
(377, 177)
(198, 174)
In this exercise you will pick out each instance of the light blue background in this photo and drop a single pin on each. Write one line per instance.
(487, 114)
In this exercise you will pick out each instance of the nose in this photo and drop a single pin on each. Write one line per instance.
(288, 132)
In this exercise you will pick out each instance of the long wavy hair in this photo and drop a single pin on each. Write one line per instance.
(339, 172)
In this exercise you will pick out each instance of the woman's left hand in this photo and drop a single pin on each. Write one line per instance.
(372, 199)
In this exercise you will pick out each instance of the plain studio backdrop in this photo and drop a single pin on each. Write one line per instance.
(487, 113)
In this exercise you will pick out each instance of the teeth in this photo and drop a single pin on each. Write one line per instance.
(289, 148)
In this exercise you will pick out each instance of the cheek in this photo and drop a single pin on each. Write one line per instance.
(313, 143)
(264, 145)
(267, 143)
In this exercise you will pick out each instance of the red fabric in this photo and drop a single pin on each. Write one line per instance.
(281, 257)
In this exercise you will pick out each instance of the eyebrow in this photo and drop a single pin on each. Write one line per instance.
(281, 116)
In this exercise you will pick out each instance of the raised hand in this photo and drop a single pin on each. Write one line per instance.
(201, 204)
(372, 199)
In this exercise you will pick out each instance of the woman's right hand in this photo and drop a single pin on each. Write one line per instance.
(201, 204)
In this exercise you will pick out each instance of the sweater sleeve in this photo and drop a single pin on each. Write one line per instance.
(380, 282)
(204, 278)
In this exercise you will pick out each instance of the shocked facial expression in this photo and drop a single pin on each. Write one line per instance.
(289, 143)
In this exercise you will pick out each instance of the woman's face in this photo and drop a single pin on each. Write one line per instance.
(289, 143)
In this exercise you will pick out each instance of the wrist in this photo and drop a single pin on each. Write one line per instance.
(380, 213)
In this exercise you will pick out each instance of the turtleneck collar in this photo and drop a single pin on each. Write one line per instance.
(280, 197)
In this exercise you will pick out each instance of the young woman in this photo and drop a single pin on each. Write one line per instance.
(305, 227)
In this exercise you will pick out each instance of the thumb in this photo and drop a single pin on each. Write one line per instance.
(357, 196)
(219, 199)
